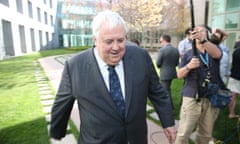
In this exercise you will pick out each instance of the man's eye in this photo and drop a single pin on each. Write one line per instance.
(120, 40)
(108, 41)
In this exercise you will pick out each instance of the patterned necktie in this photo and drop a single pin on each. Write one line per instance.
(115, 90)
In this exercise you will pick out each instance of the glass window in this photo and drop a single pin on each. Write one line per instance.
(232, 20)
(22, 39)
(46, 17)
(218, 21)
(50, 3)
(19, 6)
(51, 20)
(230, 41)
(33, 39)
(40, 39)
(8, 38)
(47, 37)
(30, 12)
(218, 6)
(233, 5)
(5, 2)
(39, 14)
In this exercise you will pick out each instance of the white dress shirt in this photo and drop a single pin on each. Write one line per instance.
(105, 73)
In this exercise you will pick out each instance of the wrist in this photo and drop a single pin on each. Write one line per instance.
(203, 41)
(187, 68)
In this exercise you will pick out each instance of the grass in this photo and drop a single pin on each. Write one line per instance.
(22, 119)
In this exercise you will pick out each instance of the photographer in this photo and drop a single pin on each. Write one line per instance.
(196, 108)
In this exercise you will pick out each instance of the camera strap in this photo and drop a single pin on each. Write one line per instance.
(206, 71)
(204, 58)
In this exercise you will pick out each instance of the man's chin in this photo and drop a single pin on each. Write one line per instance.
(115, 62)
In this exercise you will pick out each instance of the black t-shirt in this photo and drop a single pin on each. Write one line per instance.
(237, 45)
(235, 70)
(190, 81)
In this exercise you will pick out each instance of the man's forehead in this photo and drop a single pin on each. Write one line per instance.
(201, 28)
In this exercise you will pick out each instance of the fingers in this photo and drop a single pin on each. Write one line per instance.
(170, 133)
(198, 34)
(194, 63)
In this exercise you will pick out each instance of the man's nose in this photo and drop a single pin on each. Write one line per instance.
(115, 45)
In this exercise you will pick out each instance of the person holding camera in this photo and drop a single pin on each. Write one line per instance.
(185, 44)
(197, 71)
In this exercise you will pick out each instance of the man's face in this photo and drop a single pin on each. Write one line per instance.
(161, 41)
(188, 36)
(110, 44)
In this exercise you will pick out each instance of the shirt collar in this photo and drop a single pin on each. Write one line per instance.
(101, 63)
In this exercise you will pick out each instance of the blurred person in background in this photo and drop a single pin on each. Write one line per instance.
(237, 43)
(185, 44)
(234, 82)
(167, 60)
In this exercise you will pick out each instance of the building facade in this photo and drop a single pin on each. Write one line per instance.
(74, 19)
(27, 26)
(225, 14)
(32, 25)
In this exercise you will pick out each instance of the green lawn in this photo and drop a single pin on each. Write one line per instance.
(22, 119)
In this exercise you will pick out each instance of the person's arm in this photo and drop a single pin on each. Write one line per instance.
(158, 95)
(62, 106)
(201, 39)
(183, 71)
(162, 103)
(212, 50)
(159, 59)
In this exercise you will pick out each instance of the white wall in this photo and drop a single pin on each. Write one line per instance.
(12, 15)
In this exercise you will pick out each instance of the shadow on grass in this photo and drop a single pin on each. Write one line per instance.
(61, 51)
(227, 130)
(32, 132)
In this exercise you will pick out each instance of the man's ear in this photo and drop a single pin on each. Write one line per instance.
(94, 40)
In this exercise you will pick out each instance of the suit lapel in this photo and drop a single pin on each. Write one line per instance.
(128, 72)
(99, 81)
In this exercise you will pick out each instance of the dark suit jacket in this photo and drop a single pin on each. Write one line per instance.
(167, 60)
(101, 122)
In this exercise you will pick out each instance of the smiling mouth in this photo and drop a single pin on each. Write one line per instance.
(115, 53)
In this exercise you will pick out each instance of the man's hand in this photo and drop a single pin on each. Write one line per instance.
(199, 34)
(170, 133)
(194, 63)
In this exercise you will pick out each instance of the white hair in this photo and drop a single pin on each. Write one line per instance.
(112, 19)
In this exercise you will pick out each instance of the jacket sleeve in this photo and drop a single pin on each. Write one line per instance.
(159, 59)
(62, 106)
(159, 98)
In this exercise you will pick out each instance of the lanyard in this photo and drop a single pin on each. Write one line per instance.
(204, 59)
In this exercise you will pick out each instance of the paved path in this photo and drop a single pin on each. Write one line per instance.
(47, 98)
(53, 66)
